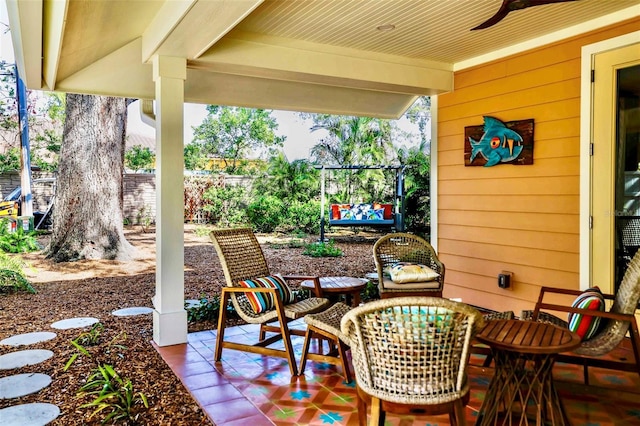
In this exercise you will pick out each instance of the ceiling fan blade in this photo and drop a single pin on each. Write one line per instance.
(511, 5)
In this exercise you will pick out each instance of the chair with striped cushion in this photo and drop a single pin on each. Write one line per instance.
(258, 296)
(604, 335)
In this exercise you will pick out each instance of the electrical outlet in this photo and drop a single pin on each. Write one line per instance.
(504, 279)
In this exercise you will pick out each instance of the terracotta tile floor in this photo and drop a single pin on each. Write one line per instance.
(249, 389)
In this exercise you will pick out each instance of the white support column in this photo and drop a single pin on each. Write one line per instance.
(169, 316)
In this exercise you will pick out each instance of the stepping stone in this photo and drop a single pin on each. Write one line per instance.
(35, 414)
(127, 312)
(191, 303)
(23, 384)
(28, 338)
(74, 323)
(21, 358)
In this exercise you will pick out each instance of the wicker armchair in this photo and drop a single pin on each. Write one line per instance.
(616, 322)
(410, 356)
(402, 247)
(242, 259)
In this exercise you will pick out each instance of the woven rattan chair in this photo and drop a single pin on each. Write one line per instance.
(615, 324)
(402, 247)
(410, 356)
(325, 326)
(242, 259)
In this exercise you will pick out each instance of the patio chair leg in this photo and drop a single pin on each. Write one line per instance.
(305, 350)
(286, 338)
(222, 318)
(635, 343)
(342, 353)
(376, 418)
(459, 418)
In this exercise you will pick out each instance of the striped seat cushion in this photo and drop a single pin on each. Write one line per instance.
(586, 326)
(263, 302)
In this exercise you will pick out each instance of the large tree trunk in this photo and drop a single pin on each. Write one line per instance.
(87, 216)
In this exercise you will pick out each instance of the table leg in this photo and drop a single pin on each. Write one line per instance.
(356, 299)
(522, 383)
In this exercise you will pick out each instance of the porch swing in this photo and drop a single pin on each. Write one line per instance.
(387, 215)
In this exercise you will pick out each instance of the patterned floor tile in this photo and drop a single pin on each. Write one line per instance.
(322, 397)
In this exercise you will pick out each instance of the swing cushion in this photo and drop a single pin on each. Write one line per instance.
(373, 214)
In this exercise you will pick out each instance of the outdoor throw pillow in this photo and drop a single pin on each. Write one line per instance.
(262, 302)
(586, 326)
(405, 272)
(360, 211)
(345, 214)
(337, 208)
(375, 214)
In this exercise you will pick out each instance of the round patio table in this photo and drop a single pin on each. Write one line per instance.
(331, 286)
(522, 385)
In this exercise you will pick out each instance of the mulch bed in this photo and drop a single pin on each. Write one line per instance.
(96, 288)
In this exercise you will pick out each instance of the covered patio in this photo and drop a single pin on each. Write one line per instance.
(369, 58)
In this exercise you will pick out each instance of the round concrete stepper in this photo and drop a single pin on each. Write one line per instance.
(21, 358)
(136, 310)
(28, 338)
(191, 303)
(23, 384)
(74, 323)
(35, 414)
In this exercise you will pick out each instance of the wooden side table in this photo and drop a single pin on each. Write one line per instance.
(522, 386)
(350, 287)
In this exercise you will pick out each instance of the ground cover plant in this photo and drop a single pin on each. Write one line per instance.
(98, 287)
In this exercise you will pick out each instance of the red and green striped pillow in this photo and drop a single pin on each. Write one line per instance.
(586, 326)
(263, 302)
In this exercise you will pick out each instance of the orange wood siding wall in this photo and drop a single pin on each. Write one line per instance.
(523, 219)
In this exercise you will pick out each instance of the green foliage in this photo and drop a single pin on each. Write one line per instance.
(93, 338)
(322, 249)
(233, 134)
(12, 277)
(265, 213)
(371, 291)
(295, 181)
(417, 188)
(420, 114)
(10, 160)
(113, 394)
(207, 310)
(225, 205)
(139, 158)
(195, 157)
(18, 241)
(202, 231)
(303, 217)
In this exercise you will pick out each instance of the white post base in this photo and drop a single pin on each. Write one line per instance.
(169, 328)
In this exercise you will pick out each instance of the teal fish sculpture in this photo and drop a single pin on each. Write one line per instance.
(498, 144)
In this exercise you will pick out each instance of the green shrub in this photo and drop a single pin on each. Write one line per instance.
(12, 277)
(18, 241)
(303, 217)
(322, 249)
(207, 310)
(225, 206)
(265, 213)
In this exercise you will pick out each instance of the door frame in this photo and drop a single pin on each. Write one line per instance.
(586, 136)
